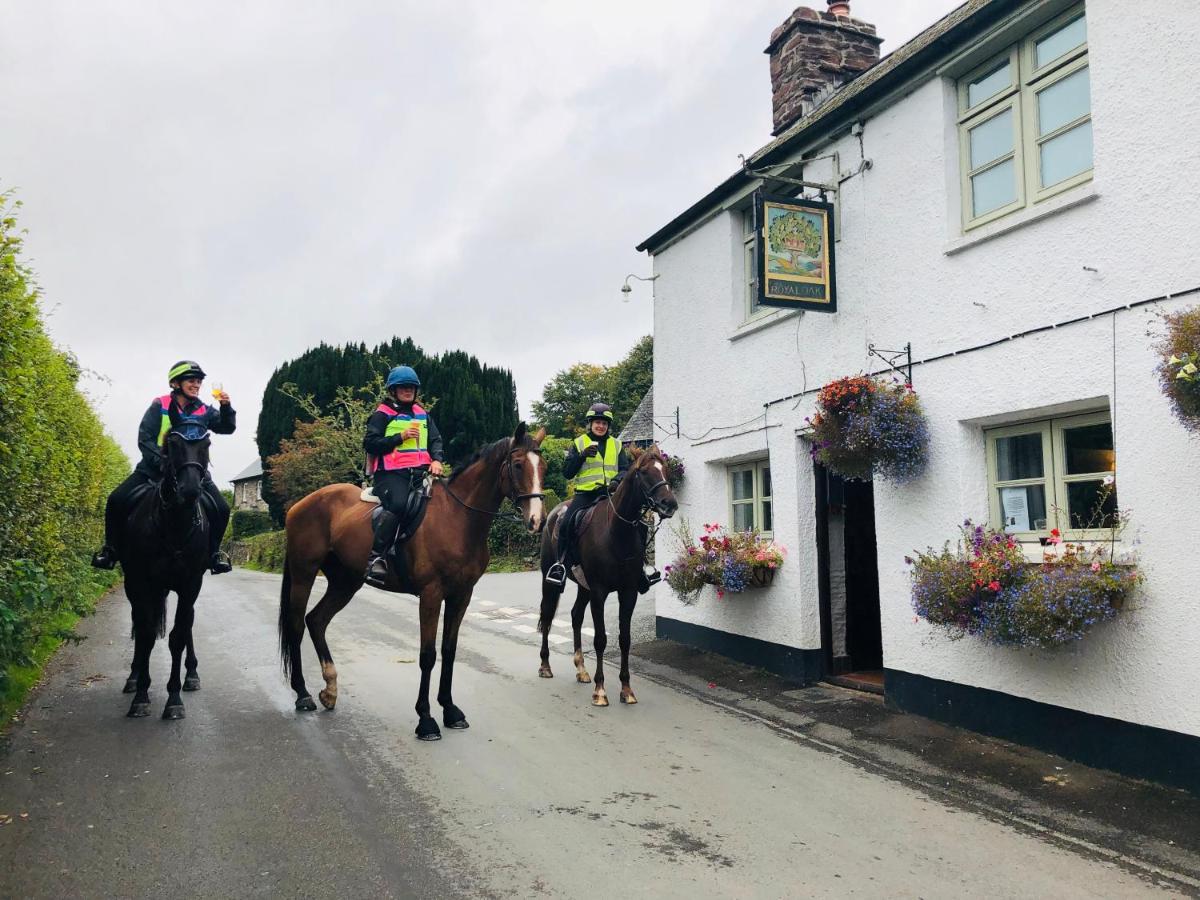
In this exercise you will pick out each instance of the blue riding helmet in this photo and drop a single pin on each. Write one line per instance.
(402, 376)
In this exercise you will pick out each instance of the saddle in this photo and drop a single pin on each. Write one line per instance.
(410, 520)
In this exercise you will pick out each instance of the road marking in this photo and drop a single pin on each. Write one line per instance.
(557, 638)
(478, 615)
(524, 629)
(530, 616)
(485, 603)
(590, 632)
(510, 610)
(562, 623)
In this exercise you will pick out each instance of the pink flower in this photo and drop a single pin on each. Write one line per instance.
(1096, 566)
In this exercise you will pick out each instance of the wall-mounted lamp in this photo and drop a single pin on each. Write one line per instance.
(627, 290)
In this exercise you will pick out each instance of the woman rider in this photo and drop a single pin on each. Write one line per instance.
(185, 379)
(597, 462)
(402, 443)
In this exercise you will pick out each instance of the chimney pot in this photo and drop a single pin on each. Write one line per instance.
(839, 8)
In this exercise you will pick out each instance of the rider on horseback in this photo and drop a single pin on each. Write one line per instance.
(402, 444)
(597, 462)
(185, 379)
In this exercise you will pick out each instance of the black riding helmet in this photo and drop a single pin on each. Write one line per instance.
(600, 411)
(185, 368)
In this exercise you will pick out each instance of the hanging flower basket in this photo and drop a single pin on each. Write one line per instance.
(1179, 367)
(867, 427)
(730, 561)
(675, 471)
(985, 587)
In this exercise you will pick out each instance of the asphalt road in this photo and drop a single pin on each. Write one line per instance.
(544, 795)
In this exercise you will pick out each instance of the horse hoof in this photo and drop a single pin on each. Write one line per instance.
(138, 710)
(628, 699)
(453, 717)
(305, 704)
(544, 672)
(458, 724)
(599, 700)
(328, 700)
(427, 730)
(130, 686)
(174, 712)
(583, 677)
(191, 683)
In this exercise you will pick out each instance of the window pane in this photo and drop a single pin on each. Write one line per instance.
(1089, 449)
(766, 511)
(1063, 102)
(1023, 508)
(1019, 456)
(989, 85)
(1052, 46)
(743, 484)
(766, 481)
(994, 188)
(748, 222)
(1066, 155)
(743, 516)
(992, 140)
(1091, 504)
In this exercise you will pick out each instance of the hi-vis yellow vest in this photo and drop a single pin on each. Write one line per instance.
(597, 470)
(409, 453)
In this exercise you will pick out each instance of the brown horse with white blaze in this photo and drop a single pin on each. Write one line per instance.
(611, 545)
(330, 531)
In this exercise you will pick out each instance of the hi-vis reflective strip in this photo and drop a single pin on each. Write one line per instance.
(180, 369)
(596, 470)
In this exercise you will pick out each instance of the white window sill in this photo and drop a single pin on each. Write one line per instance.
(766, 320)
(1034, 551)
(1085, 193)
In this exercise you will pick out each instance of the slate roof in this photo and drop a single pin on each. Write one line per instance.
(640, 426)
(254, 470)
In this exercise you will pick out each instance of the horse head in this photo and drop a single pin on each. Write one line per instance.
(185, 458)
(649, 476)
(524, 476)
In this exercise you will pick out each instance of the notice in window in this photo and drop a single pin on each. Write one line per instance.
(1015, 509)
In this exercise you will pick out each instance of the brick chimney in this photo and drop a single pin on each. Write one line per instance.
(814, 53)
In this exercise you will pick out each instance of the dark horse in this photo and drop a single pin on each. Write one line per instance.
(610, 544)
(330, 530)
(165, 548)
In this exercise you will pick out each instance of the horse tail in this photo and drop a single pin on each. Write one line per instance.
(286, 638)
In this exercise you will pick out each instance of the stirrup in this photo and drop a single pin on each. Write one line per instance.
(377, 572)
(557, 575)
(105, 558)
(220, 564)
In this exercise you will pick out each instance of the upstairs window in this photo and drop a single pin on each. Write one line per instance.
(1025, 122)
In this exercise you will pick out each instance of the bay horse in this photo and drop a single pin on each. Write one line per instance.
(610, 544)
(164, 548)
(330, 531)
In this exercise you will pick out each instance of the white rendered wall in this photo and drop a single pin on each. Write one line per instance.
(905, 275)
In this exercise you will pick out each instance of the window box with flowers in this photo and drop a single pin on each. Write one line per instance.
(730, 561)
(869, 427)
(985, 587)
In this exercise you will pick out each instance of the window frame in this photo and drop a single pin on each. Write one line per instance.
(751, 309)
(1021, 95)
(1054, 475)
(757, 497)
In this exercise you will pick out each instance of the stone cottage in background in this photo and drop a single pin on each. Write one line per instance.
(248, 488)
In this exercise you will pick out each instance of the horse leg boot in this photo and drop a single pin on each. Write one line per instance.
(599, 696)
(385, 533)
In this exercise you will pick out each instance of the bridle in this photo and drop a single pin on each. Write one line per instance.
(512, 495)
(648, 501)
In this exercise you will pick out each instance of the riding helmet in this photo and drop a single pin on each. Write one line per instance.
(599, 411)
(185, 368)
(402, 376)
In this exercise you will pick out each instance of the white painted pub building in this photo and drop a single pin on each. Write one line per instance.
(1019, 165)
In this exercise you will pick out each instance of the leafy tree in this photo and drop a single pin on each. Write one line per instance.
(567, 396)
(630, 379)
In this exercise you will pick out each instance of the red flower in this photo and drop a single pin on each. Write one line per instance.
(994, 585)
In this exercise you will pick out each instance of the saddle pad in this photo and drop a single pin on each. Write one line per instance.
(368, 495)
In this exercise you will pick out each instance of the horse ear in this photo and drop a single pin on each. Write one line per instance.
(540, 436)
(636, 453)
(519, 434)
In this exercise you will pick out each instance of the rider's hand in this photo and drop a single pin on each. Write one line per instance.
(222, 398)
(411, 433)
(436, 468)
(591, 451)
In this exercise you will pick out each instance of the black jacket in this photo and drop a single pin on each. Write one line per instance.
(219, 419)
(574, 462)
(376, 443)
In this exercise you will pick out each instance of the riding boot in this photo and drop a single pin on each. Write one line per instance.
(377, 567)
(219, 563)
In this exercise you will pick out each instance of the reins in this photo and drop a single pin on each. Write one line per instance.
(514, 497)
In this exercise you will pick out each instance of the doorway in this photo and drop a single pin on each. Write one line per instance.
(848, 576)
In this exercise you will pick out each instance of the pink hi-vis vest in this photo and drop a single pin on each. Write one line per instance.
(198, 416)
(412, 452)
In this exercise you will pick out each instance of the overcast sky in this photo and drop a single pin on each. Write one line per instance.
(237, 182)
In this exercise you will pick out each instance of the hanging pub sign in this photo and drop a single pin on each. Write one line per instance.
(795, 253)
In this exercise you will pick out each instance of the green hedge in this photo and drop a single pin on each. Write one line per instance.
(246, 523)
(264, 552)
(511, 540)
(56, 467)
